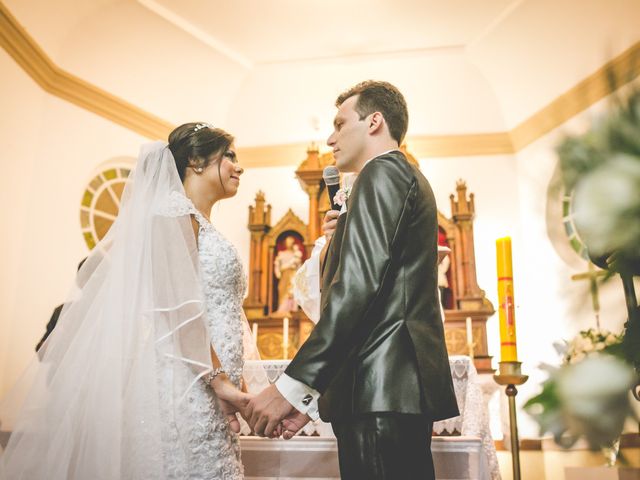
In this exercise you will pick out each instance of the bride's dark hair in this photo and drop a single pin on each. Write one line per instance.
(197, 145)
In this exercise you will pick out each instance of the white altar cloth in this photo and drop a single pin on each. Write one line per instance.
(471, 451)
(454, 458)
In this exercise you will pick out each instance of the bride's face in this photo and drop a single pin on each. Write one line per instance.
(224, 175)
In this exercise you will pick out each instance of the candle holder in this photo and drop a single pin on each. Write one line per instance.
(511, 375)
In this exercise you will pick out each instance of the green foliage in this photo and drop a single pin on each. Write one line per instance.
(630, 346)
(546, 410)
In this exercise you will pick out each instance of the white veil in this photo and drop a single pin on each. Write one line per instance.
(92, 406)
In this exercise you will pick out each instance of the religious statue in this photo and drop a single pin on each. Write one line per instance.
(285, 265)
(443, 281)
(444, 267)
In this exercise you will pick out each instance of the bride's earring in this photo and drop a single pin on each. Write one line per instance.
(198, 170)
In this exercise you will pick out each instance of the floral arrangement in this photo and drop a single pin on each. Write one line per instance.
(588, 342)
(588, 395)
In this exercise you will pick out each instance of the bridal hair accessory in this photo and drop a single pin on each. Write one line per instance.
(200, 126)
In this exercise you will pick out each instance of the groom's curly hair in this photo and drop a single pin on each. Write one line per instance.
(377, 96)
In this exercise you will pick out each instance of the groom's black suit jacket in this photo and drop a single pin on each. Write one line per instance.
(379, 344)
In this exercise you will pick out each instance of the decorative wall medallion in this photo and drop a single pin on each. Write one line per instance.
(573, 237)
(101, 202)
(560, 224)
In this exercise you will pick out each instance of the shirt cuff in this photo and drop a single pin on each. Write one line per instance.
(301, 396)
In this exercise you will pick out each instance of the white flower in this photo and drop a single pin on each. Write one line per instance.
(577, 357)
(594, 394)
(611, 339)
(578, 343)
(339, 198)
(603, 200)
(588, 342)
(597, 376)
(589, 346)
(342, 196)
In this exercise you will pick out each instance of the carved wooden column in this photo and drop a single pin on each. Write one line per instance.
(259, 226)
(309, 174)
(470, 301)
(314, 220)
(462, 212)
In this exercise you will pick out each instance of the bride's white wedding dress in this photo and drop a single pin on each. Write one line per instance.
(214, 452)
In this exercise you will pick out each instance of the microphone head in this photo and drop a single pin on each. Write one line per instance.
(331, 175)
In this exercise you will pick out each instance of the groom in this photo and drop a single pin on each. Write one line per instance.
(376, 364)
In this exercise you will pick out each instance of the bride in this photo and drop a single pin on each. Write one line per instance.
(142, 378)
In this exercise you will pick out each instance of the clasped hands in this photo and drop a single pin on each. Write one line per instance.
(268, 413)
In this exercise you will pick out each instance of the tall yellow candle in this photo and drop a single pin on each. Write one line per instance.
(506, 311)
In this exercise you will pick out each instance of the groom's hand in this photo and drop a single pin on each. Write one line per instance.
(330, 223)
(266, 410)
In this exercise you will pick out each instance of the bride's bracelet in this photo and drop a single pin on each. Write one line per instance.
(208, 378)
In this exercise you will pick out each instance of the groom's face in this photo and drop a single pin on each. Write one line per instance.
(349, 137)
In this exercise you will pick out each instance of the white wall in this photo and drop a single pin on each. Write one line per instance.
(491, 180)
(50, 150)
(277, 103)
(542, 48)
(18, 132)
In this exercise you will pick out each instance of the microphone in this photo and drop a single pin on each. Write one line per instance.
(331, 177)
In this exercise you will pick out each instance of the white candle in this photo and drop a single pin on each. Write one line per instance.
(254, 332)
(469, 336)
(285, 337)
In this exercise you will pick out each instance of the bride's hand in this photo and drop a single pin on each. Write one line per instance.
(236, 400)
(230, 412)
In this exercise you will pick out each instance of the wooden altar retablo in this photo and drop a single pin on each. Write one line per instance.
(462, 297)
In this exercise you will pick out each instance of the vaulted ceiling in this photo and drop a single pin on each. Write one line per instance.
(269, 71)
(286, 31)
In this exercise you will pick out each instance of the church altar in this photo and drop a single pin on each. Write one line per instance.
(280, 327)
(462, 446)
